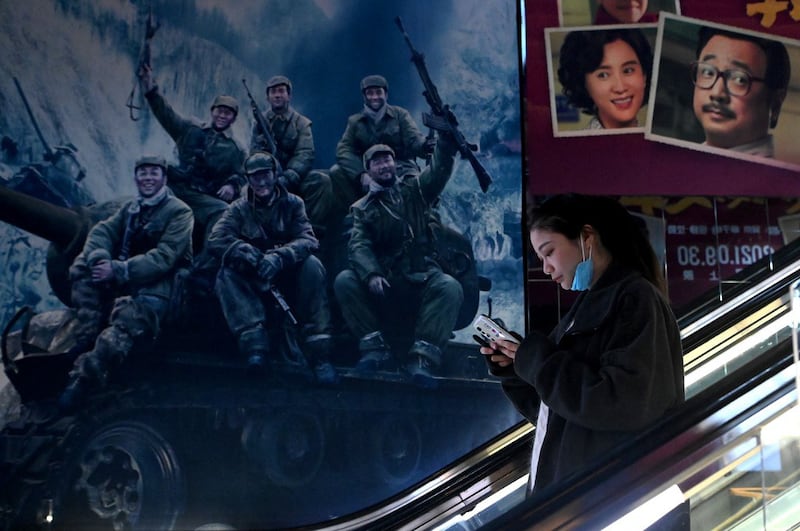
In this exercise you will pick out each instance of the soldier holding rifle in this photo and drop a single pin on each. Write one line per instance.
(291, 133)
(287, 134)
(208, 176)
(377, 123)
(393, 266)
(265, 241)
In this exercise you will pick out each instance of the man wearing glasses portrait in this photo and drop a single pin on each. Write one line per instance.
(740, 83)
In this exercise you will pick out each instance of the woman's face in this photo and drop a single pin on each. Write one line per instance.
(626, 11)
(617, 86)
(559, 255)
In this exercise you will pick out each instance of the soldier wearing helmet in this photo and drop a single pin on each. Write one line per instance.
(265, 240)
(377, 123)
(393, 266)
(208, 175)
(124, 276)
(290, 130)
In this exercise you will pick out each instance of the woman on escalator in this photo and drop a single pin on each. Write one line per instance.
(613, 364)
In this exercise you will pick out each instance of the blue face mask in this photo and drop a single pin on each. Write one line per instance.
(584, 272)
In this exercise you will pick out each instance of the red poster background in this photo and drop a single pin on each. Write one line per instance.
(629, 164)
(708, 240)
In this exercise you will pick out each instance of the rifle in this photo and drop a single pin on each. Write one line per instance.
(294, 352)
(144, 60)
(130, 229)
(48, 153)
(441, 117)
(263, 126)
(278, 296)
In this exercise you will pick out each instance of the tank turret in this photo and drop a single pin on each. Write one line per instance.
(57, 178)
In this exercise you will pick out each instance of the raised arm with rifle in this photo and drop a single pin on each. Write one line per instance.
(143, 62)
(263, 126)
(441, 117)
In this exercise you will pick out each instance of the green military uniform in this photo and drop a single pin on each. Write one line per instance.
(395, 128)
(294, 140)
(208, 159)
(392, 237)
(278, 229)
(147, 241)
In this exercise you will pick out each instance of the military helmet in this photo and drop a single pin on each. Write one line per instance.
(151, 160)
(374, 81)
(274, 81)
(226, 101)
(377, 149)
(260, 161)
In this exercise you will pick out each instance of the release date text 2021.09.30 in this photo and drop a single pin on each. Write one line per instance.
(712, 255)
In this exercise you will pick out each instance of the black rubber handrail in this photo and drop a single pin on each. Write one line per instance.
(696, 409)
(739, 283)
(702, 406)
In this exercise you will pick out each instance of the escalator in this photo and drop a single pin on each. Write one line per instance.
(722, 452)
(732, 453)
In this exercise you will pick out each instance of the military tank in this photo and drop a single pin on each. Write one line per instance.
(184, 436)
(57, 178)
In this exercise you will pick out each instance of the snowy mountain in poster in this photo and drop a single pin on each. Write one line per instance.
(75, 61)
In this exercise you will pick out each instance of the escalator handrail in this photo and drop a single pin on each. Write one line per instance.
(457, 481)
(696, 410)
(783, 263)
(743, 304)
(708, 400)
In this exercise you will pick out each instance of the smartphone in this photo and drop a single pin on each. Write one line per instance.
(491, 331)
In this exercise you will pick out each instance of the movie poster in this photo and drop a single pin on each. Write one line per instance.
(749, 123)
(696, 135)
(73, 121)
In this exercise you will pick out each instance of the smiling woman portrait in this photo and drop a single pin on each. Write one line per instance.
(606, 74)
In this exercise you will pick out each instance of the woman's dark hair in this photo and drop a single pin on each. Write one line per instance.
(619, 231)
(582, 52)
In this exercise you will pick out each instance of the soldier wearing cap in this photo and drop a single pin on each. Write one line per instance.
(208, 176)
(377, 123)
(123, 278)
(265, 240)
(291, 132)
(393, 266)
